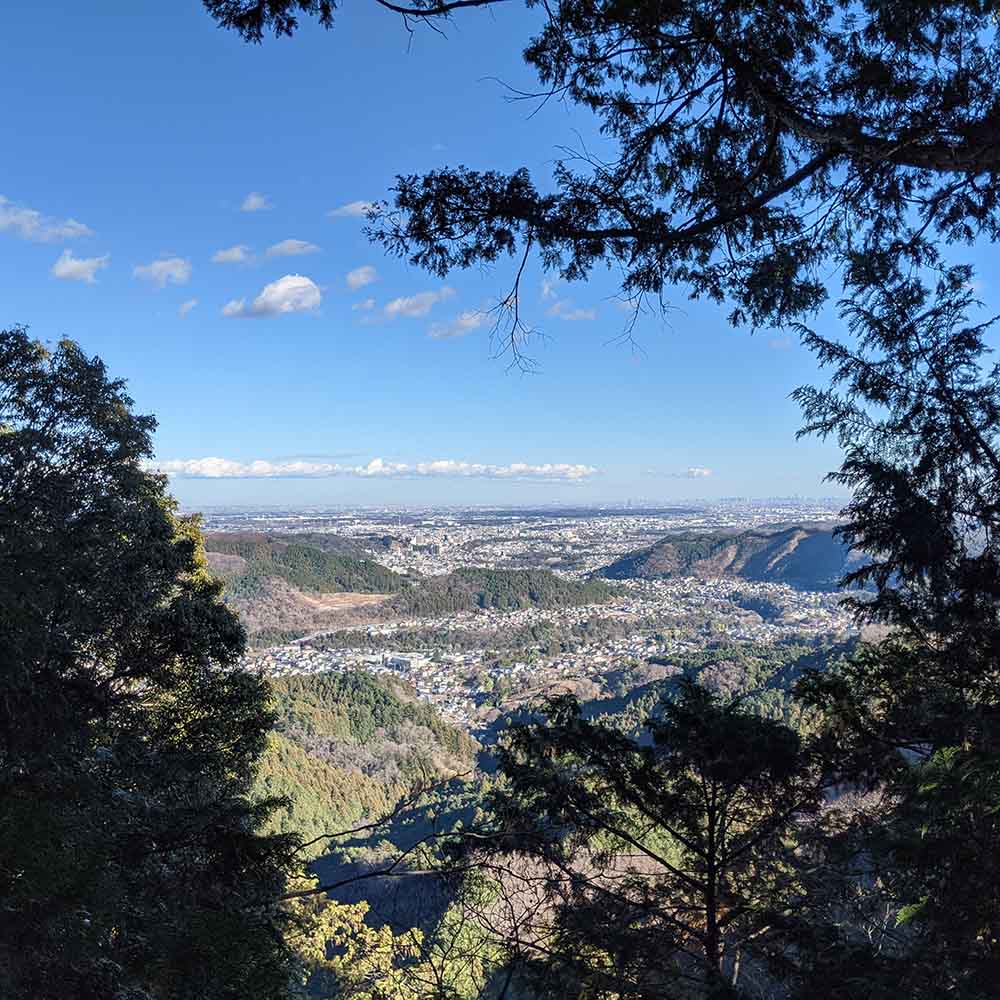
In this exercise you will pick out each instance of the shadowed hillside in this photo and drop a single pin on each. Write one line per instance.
(807, 557)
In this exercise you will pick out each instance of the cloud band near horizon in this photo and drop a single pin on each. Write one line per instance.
(224, 468)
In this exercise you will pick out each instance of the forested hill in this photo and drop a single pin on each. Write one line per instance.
(347, 747)
(807, 557)
(324, 563)
(506, 590)
(291, 584)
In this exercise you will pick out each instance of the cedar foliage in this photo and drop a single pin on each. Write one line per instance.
(749, 146)
(132, 861)
(917, 413)
(670, 861)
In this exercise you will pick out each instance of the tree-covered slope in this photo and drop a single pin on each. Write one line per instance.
(358, 709)
(347, 747)
(505, 590)
(289, 585)
(806, 557)
(323, 563)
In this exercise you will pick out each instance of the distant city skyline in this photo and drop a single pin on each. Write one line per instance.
(190, 208)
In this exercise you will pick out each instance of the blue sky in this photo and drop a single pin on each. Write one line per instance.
(149, 141)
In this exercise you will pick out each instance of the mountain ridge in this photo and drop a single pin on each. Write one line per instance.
(803, 556)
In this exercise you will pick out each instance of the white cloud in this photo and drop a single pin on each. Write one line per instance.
(232, 255)
(352, 210)
(291, 248)
(360, 277)
(29, 224)
(697, 472)
(293, 293)
(463, 323)
(417, 305)
(165, 271)
(185, 307)
(366, 305)
(549, 286)
(254, 202)
(71, 268)
(563, 310)
(224, 468)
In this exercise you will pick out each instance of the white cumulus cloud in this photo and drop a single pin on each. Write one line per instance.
(166, 270)
(360, 277)
(352, 210)
(294, 293)
(365, 305)
(29, 224)
(71, 268)
(563, 309)
(185, 307)
(442, 468)
(463, 323)
(291, 248)
(232, 255)
(697, 472)
(417, 305)
(254, 202)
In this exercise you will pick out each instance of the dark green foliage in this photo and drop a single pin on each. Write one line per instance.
(762, 606)
(308, 564)
(503, 590)
(672, 856)
(251, 545)
(751, 146)
(751, 150)
(675, 555)
(918, 416)
(131, 858)
(274, 637)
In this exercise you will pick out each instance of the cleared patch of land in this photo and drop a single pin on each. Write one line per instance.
(340, 602)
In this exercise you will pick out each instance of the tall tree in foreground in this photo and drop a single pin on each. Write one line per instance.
(751, 145)
(918, 416)
(668, 865)
(130, 863)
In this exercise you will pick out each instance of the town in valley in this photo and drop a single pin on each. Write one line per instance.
(474, 663)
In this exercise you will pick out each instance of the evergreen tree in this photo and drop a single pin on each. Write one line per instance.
(667, 864)
(130, 862)
(918, 714)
